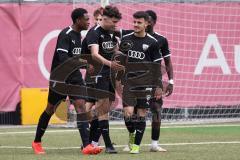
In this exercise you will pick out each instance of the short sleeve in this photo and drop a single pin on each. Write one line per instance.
(92, 38)
(165, 49)
(155, 52)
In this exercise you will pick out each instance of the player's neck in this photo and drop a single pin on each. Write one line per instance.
(150, 31)
(140, 34)
(76, 29)
(104, 27)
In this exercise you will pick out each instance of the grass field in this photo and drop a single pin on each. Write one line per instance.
(212, 142)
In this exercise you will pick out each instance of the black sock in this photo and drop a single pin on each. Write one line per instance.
(156, 108)
(104, 127)
(129, 122)
(95, 132)
(156, 122)
(83, 128)
(140, 128)
(42, 126)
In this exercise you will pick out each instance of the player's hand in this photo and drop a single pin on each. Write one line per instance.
(90, 69)
(83, 61)
(116, 67)
(169, 90)
(158, 93)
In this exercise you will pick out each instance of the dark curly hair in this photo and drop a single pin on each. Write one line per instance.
(111, 11)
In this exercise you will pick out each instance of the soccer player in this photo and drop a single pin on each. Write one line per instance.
(91, 82)
(101, 44)
(68, 45)
(97, 14)
(156, 105)
(143, 48)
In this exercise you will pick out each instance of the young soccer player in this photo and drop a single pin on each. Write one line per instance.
(142, 48)
(68, 45)
(101, 44)
(156, 105)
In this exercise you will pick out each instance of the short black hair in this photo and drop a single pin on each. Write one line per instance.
(141, 14)
(78, 13)
(111, 11)
(152, 14)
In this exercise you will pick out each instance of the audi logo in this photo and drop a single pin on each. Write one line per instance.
(136, 54)
(76, 51)
(107, 45)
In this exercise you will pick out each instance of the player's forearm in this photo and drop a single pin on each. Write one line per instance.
(101, 59)
(169, 67)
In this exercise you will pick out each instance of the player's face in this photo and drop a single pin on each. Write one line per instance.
(139, 24)
(151, 24)
(110, 23)
(84, 22)
(98, 19)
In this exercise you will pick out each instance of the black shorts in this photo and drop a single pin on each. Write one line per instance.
(91, 99)
(107, 85)
(55, 98)
(131, 98)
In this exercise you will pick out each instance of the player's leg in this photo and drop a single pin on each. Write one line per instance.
(95, 132)
(140, 126)
(103, 123)
(129, 123)
(129, 101)
(156, 108)
(53, 99)
(83, 127)
(103, 108)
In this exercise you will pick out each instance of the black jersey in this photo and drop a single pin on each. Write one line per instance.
(163, 44)
(140, 50)
(106, 41)
(162, 41)
(143, 49)
(68, 45)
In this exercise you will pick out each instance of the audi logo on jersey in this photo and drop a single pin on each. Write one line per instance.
(76, 51)
(108, 45)
(136, 54)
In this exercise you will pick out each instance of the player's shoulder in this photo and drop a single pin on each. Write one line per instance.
(151, 38)
(95, 28)
(124, 32)
(66, 31)
(128, 35)
(159, 36)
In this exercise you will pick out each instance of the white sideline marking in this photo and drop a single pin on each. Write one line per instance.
(120, 128)
(120, 146)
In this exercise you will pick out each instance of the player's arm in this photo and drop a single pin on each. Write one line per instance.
(156, 57)
(92, 40)
(63, 46)
(169, 67)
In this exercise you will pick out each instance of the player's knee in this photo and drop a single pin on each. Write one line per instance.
(128, 113)
(103, 117)
(141, 112)
(156, 107)
(50, 109)
(80, 106)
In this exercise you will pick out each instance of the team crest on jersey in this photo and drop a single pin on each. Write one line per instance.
(145, 47)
